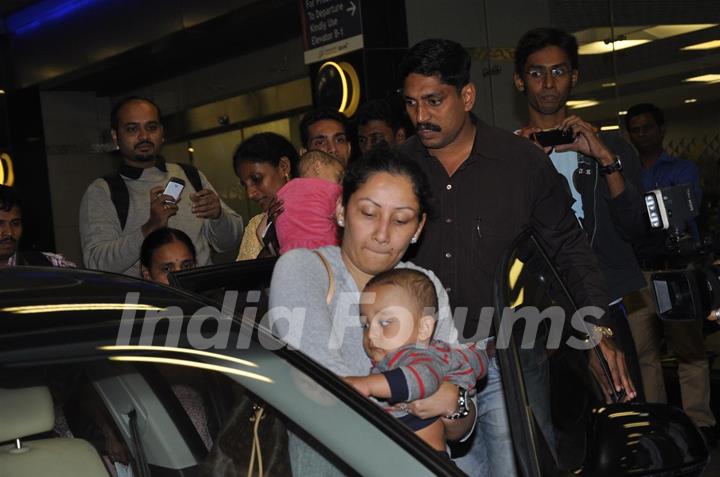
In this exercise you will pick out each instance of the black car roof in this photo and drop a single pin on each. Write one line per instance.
(37, 301)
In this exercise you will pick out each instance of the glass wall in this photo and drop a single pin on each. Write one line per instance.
(213, 155)
(662, 52)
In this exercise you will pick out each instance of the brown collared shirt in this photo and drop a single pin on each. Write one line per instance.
(505, 186)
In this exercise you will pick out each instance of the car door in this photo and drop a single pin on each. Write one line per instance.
(559, 420)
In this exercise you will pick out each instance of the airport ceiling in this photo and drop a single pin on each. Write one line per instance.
(9, 6)
(239, 31)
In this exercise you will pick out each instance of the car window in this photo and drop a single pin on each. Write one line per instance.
(542, 340)
(178, 413)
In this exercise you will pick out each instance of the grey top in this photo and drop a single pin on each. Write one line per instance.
(106, 246)
(331, 335)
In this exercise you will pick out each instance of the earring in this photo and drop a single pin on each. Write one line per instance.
(287, 177)
(414, 240)
(341, 222)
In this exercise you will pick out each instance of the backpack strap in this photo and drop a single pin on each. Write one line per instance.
(119, 195)
(193, 175)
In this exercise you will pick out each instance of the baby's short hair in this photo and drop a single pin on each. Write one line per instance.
(416, 283)
(308, 159)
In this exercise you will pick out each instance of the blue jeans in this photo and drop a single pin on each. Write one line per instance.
(489, 450)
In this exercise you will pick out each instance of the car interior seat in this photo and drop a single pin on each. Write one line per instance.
(25, 412)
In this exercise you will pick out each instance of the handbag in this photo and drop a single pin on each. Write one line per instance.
(253, 441)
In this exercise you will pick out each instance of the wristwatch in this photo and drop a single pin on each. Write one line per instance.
(463, 409)
(614, 167)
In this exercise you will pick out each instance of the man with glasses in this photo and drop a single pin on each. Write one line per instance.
(601, 170)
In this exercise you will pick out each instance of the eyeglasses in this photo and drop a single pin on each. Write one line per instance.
(539, 72)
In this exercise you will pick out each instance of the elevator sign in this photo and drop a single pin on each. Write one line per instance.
(330, 28)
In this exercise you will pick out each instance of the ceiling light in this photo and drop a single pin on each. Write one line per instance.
(581, 103)
(665, 31)
(622, 113)
(690, 100)
(599, 40)
(191, 149)
(609, 85)
(708, 45)
(611, 127)
(600, 47)
(709, 78)
(2, 91)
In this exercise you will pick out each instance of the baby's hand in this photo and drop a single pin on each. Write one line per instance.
(360, 383)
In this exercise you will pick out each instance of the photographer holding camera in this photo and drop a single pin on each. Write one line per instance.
(601, 170)
(646, 129)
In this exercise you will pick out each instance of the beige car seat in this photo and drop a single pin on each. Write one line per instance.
(28, 411)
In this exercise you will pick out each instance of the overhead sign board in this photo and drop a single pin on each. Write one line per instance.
(330, 28)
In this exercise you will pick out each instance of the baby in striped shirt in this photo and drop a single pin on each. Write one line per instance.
(407, 363)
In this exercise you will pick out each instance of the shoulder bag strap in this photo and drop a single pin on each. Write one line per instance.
(331, 277)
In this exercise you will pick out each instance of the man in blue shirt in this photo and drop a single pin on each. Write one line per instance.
(646, 128)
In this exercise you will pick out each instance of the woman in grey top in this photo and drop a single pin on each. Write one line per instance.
(383, 211)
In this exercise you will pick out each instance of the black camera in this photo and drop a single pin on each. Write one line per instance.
(686, 294)
(693, 292)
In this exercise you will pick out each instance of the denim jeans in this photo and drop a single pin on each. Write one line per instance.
(489, 450)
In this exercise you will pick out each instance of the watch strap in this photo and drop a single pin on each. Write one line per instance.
(614, 167)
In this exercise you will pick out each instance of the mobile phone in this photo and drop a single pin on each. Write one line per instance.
(174, 188)
(553, 137)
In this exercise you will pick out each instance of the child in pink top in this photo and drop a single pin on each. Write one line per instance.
(308, 219)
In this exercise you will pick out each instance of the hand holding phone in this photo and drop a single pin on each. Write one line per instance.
(553, 137)
(173, 189)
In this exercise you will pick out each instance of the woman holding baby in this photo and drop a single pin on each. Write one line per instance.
(381, 212)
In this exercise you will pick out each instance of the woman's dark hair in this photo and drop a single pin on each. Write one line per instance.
(539, 38)
(390, 160)
(266, 147)
(434, 57)
(161, 237)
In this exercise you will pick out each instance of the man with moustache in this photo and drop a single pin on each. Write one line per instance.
(138, 187)
(11, 230)
(488, 186)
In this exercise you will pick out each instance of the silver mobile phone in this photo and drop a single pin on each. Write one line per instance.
(174, 188)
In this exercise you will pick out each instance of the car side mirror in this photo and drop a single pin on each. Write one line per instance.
(643, 439)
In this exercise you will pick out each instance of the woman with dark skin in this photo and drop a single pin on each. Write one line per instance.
(163, 251)
(264, 163)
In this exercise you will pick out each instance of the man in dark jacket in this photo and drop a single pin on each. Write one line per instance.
(602, 170)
